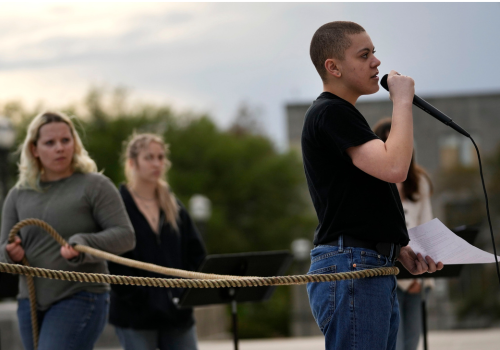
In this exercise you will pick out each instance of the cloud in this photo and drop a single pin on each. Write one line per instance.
(213, 56)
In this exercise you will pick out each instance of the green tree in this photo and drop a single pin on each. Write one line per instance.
(257, 200)
(257, 193)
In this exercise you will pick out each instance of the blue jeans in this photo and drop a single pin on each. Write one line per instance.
(354, 314)
(74, 323)
(152, 339)
(410, 327)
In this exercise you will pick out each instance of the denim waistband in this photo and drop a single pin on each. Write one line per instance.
(389, 250)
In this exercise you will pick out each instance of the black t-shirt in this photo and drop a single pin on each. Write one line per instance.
(347, 200)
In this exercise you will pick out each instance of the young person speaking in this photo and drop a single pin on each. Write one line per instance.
(351, 175)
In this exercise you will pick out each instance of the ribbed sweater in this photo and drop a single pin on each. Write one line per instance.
(83, 208)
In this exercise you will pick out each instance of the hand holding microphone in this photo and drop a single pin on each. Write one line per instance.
(402, 87)
(436, 113)
(392, 84)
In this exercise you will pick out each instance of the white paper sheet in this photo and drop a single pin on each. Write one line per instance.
(437, 241)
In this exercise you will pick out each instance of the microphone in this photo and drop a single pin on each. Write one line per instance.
(428, 108)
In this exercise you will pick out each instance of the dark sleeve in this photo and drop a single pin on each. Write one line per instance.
(132, 295)
(194, 247)
(342, 127)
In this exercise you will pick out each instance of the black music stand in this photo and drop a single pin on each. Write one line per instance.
(8, 285)
(264, 264)
(468, 233)
(8, 288)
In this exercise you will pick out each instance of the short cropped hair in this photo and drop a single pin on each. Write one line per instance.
(330, 41)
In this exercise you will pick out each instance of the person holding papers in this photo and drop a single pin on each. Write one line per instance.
(351, 175)
(415, 194)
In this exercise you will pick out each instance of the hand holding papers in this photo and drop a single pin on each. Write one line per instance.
(416, 264)
(434, 239)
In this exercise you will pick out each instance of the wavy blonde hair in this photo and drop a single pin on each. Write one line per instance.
(30, 168)
(167, 200)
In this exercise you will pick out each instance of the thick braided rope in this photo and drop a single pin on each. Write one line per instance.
(32, 295)
(194, 279)
(193, 283)
(84, 249)
(115, 258)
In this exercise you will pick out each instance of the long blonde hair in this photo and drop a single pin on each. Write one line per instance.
(30, 168)
(168, 202)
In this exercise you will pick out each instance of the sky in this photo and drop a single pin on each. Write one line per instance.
(213, 57)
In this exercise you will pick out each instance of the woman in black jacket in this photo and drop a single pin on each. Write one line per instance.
(146, 318)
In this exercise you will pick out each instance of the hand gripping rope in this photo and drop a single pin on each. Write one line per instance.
(192, 279)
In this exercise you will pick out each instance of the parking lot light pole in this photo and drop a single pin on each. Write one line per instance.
(200, 209)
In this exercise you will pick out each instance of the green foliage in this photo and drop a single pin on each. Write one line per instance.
(104, 138)
(268, 319)
(257, 194)
(253, 189)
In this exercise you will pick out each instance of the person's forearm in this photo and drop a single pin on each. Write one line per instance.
(115, 240)
(399, 144)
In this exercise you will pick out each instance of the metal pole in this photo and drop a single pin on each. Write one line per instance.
(4, 169)
(201, 224)
(3, 182)
(234, 309)
(424, 315)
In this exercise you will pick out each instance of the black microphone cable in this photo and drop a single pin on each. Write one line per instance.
(487, 208)
(426, 107)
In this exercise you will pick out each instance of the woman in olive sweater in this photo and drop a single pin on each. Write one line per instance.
(58, 183)
(146, 317)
